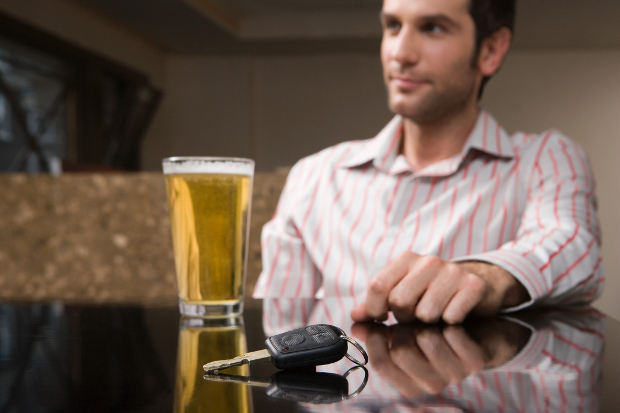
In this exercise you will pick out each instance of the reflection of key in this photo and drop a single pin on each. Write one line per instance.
(315, 388)
(307, 346)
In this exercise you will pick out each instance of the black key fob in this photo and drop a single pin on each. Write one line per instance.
(307, 346)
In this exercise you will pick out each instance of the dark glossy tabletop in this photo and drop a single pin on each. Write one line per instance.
(57, 357)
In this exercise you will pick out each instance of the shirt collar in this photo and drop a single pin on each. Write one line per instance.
(381, 150)
(486, 136)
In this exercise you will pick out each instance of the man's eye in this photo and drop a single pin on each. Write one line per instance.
(433, 28)
(392, 25)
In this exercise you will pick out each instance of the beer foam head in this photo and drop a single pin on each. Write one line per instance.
(198, 165)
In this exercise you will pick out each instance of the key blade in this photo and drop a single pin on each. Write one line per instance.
(251, 358)
(224, 364)
(256, 357)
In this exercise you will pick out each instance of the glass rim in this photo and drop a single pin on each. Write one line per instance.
(173, 159)
(207, 165)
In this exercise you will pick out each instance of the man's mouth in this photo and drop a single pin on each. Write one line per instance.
(406, 82)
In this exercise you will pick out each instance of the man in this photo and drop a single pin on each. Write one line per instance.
(442, 214)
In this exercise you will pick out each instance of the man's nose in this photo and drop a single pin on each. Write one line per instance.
(406, 47)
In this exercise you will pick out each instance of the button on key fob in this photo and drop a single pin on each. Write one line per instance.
(307, 346)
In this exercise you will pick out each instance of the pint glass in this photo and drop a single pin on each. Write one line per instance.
(209, 201)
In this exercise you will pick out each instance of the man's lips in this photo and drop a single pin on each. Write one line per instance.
(404, 82)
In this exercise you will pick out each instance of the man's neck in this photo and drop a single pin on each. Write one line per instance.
(424, 145)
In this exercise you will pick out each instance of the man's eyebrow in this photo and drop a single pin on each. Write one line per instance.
(383, 15)
(431, 18)
(438, 18)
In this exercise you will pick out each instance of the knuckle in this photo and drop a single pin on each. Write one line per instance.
(378, 285)
(397, 300)
(407, 256)
(476, 284)
(453, 318)
(454, 271)
(426, 315)
(431, 262)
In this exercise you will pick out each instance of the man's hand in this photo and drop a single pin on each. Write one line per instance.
(428, 288)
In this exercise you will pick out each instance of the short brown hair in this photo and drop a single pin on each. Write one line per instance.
(489, 16)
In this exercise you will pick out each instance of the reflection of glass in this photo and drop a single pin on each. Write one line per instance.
(209, 202)
(202, 341)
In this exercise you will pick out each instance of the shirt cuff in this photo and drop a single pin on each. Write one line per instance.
(524, 270)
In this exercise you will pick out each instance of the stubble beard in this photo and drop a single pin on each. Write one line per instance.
(437, 104)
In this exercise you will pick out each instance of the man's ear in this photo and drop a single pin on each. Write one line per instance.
(493, 50)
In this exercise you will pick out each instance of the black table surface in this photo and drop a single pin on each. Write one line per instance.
(60, 357)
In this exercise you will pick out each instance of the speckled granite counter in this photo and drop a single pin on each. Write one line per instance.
(100, 237)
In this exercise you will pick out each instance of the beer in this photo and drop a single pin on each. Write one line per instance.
(199, 344)
(209, 215)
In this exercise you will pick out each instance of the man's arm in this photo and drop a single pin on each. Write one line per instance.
(556, 252)
(554, 259)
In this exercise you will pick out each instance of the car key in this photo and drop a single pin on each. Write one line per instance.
(307, 346)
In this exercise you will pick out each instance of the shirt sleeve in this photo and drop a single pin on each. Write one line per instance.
(288, 269)
(556, 254)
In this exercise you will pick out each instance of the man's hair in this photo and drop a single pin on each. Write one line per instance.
(489, 16)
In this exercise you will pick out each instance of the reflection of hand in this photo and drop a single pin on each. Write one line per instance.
(428, 288)
(418, 359)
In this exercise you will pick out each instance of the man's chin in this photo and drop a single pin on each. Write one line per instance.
(406, 110)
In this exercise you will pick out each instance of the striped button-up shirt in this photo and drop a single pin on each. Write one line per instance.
(523, 202)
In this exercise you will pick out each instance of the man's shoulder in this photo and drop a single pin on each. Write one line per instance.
(552, 155)
(528, 145)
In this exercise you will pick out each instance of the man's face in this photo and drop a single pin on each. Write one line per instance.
(427, 54)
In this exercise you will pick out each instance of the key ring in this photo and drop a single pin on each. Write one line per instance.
(357, 346)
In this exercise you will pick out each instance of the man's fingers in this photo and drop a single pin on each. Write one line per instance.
(383, 282)
(472, 291)
(441, 289)
(426, 288)
(403, 299)
(358, 314)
